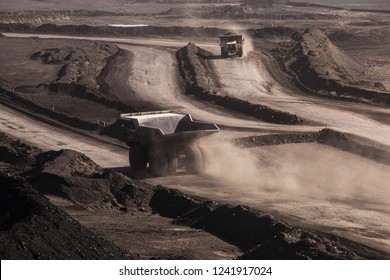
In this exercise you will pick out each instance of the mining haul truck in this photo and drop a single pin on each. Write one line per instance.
(165, 141)
(231, 45)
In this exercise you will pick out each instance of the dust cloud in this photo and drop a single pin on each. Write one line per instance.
(235, 28)
(307, 170)
(231, 165)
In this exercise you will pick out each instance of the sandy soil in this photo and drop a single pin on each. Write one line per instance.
(311, 185)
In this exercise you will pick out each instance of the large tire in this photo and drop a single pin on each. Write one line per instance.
(193, 160)
(172, 162)
(158, 163)
(137, 158)
(224, 53)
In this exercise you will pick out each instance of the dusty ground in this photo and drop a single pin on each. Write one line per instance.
(61, 88)
(142, 220)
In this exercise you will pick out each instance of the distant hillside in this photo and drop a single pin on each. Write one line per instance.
(332, 2)
(377, 5)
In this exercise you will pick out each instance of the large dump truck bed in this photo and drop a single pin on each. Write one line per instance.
(163, 126)
(162, 141)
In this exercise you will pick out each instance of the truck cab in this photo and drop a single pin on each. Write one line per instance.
(231, 45)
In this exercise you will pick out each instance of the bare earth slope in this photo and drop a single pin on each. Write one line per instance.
(200, 82)
(318, 65)
(65, 81)
(33, 228)
(77, 184)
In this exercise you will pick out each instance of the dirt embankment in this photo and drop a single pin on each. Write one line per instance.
(70, 175)
(259, 235)
(36, 17)
(274, 31)
(318, 66)
(266, 9)
(275, 139)
(199, 81)
(329, 137)
(73, 87)
(88, 30)
(74, 177)
(32, 227)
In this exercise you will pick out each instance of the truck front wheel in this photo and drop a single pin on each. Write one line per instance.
(158, 163)
(137, 158)
(172, 162)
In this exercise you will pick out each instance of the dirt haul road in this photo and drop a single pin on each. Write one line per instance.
(249, 79)
(154, 78)
(154, 73)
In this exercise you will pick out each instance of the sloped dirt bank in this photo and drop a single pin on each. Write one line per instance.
(263, 10)
(111, 204)
(81, 184)
(33, 228)
(199, 81)
(51, 16)
(68, 84)
(275, 139)
(260, 235)
(75, 177)
(318, 66)
(87, 30)
(329, 137)
(16, 157)
(355, 145)
(13, 100)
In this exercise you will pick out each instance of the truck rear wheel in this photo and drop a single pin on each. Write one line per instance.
(158, 163)
(193, 160)
(172, 162)
(224, 53)
(137, 158)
